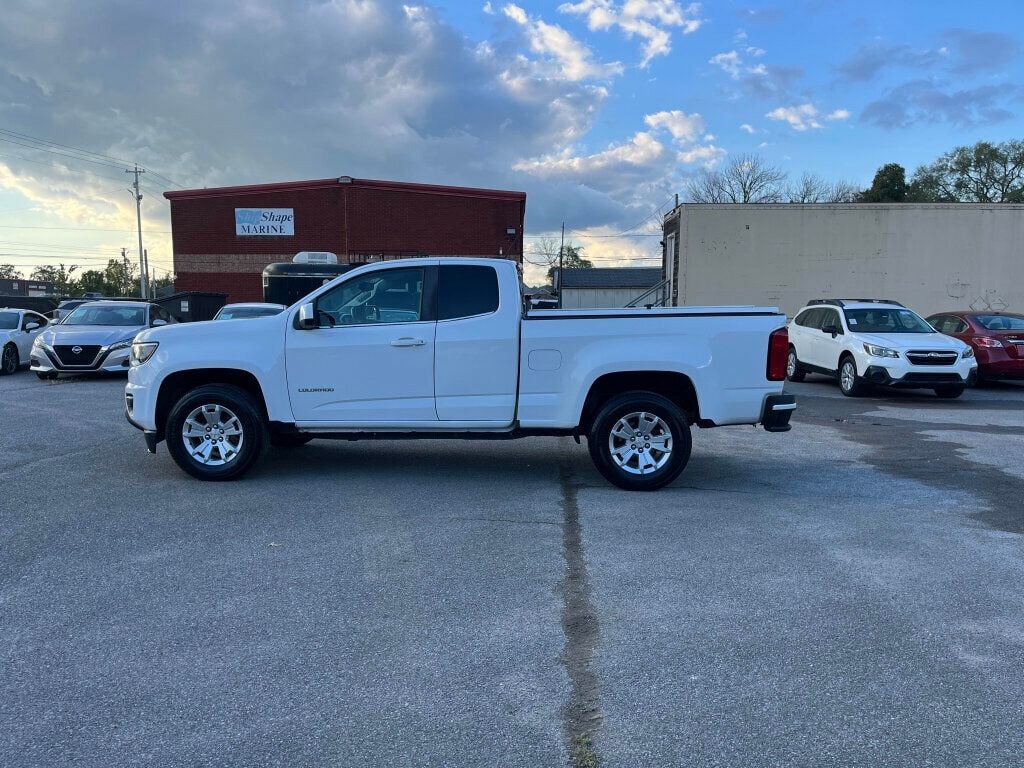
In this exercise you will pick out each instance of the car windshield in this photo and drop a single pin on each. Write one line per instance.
(886, 320)
(8, 321)
(102, 315)
(244, 313)
(1001, 322)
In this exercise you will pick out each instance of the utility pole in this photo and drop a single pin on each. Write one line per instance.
(561, 252)
(145, 270)
(138, 220)
(125, 286)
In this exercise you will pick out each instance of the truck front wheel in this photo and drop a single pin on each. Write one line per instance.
(640, 441)
(216, 432)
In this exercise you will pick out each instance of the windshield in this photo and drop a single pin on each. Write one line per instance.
(886, 320)
(243, 313)
(1001, 322)
(102, 315)
(8, 321)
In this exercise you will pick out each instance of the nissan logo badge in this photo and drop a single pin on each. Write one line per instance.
(77, 350)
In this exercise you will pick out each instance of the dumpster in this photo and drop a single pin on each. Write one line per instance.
(287, 282)
(189, 306)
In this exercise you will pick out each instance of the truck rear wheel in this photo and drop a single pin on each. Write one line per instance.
(216, 432)
(640, 441)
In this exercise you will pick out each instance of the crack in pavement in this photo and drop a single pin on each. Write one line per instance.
(581, 716)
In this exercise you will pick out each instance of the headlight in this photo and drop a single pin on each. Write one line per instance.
(122, 344)
(967, 354)
(874, 351)
(38, 341)
(142, 351)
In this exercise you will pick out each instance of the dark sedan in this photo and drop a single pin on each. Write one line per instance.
(997, 339)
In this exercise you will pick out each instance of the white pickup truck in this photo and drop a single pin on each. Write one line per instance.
(442, 348)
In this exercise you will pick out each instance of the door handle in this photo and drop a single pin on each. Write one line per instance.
(408, 341)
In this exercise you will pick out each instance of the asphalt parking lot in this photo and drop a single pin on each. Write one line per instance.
(848, 593)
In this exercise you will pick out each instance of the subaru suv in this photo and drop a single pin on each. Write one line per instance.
(865, 342)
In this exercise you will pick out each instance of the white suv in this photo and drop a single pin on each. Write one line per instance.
(872, 341)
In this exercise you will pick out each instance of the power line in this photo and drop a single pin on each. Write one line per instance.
(38, 140)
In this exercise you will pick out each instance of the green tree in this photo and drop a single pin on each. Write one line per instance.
(93, 281)
(889, 185)
(59, 275)
(9, 272)
(984, 173)
(570, 259)
(161, 282)
(121, 278)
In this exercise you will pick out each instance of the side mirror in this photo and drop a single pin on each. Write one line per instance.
(831, 329)
(158, 322)
(306, 320)
(32, 326)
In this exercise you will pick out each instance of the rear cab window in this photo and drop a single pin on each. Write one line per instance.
(466, 290)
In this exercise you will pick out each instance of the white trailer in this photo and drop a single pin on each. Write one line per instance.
(932, 257)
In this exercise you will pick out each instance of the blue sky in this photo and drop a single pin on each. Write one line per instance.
(599, 109)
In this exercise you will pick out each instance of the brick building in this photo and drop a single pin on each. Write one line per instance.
(224, 237)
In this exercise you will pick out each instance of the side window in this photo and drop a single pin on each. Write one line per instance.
(387, 296)
(32, 317)
(957, 325)
(801, 319)
(465, 291)
(813, 319)
(830, 317)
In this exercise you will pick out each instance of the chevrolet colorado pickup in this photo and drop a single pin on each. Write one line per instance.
(442, 348)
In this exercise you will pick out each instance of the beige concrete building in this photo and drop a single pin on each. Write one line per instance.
(933, 258)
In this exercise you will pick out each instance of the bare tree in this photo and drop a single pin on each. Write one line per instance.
(746, 179)
(813, 189)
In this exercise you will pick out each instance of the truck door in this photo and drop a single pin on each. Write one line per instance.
(370, 361)
(476, 360)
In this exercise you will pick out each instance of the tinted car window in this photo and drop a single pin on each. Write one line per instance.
(8, 321)
(801, 319)
(886, 320)
(465, 291)
(1001, 322)
(813, 319)
(830, 317)
(32, 317)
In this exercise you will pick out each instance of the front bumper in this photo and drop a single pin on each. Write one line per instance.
(947, 376)
(777, 411)
(44, 360)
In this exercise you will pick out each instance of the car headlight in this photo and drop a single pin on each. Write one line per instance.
(38, 342)
(875, 351)
(967, 354)
(122, 344)
(142, 351)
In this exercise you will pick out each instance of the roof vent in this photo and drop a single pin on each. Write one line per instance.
(315, 257)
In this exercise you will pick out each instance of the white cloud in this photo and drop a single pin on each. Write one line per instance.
(574, 58)
(708, 155)
(730, 62)
(748, 128)
(838, 114)
(641, 150)
(650, 20)
(801, 117)
(683, 128)
(488, 8)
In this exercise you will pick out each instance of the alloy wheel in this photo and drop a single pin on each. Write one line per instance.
(640, 443)
(212, 435)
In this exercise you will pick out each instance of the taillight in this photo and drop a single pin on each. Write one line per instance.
(778, 351)
(987, 341)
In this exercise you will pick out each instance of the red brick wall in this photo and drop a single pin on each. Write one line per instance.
(354, 221)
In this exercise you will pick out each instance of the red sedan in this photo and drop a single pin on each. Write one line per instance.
(997, 339)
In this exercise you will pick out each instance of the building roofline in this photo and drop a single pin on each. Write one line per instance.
(848, 206)
(344, 181)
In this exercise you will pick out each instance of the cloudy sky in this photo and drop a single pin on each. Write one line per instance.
(598, 109)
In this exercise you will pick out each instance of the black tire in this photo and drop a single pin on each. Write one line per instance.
(252, 426)
(951, 392)
(599, 441)
(9, 361)
(47, 376)
(289, 440)
(793, 370)
(854, 386)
